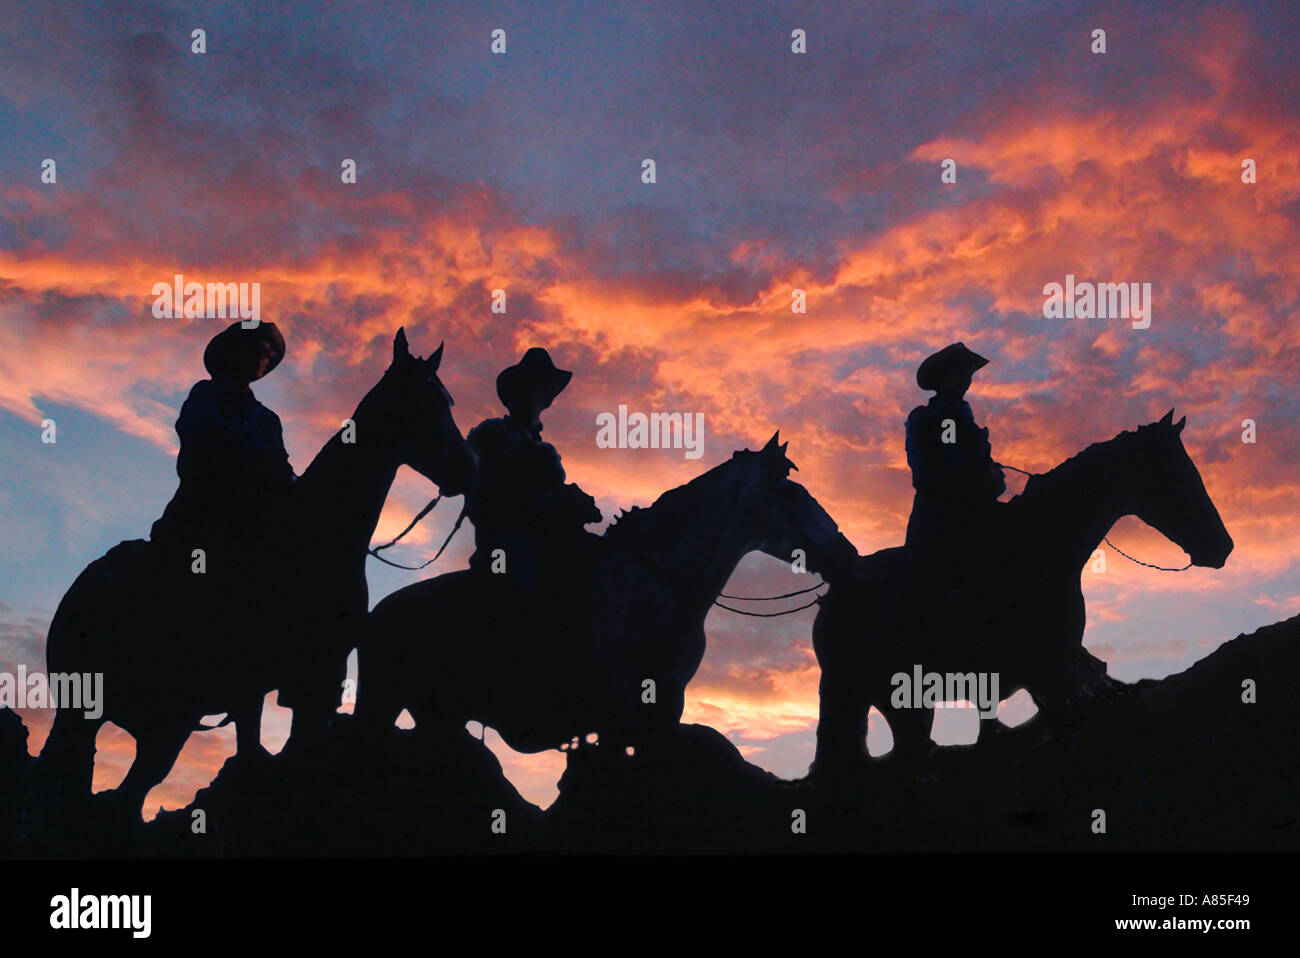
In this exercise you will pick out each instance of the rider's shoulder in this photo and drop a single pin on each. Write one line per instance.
(205, 390)
(202, 406)
(491, 437)
(938, 408)
(488, 429)
(548, 453)
(265, 411)
(923, 413)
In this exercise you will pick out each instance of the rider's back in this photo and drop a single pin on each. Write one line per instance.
(234, 476)
(521, 505)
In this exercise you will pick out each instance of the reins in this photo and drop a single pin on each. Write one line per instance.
(374, 551)
(769, 598)
(771, 615)
(670, 573)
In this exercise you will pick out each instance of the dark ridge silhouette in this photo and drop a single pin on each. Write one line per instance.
(398, 794)
(15, 781)
(1177, 765)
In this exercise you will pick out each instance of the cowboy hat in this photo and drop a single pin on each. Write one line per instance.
(536, 375)
(955, 357)
(228, 346)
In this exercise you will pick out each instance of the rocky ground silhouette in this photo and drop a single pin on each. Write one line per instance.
(1176, 765)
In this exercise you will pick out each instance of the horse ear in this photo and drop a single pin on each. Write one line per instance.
(1168, 417)
(434, 361)
(1178, 426)
(773, 444)
(401, 350)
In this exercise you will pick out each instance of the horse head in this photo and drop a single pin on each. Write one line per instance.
(1170, 495)
(409, 399)
(783, 516)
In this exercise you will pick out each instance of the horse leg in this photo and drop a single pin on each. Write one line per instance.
(156, 751)
(911, 729)
(381, 693)
(311, 715)
(376, 710)
(68, 755)
(1056, 694)
(319, 692)
(247, 715)
(989, 728)
(841, 728)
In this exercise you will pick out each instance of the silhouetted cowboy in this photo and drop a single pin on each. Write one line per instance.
(957, 482)
(519, 502)
(233, 466)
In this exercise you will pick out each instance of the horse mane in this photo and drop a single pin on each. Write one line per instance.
(333, 446)
(1047, 483)
(674, 504)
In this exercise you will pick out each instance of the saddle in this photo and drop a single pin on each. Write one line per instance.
(558, 595)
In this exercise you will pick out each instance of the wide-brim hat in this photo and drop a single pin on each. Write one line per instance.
(955, 357)
(534, 375)
(224, 349)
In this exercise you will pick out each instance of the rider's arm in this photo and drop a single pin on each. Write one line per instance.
(266, 438)
(994, 478)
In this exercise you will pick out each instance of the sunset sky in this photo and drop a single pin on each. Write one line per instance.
(775, 171)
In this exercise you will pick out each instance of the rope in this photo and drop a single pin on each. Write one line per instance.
(770, 598)
(398, 565)
(671, 573)
(1162, 568)
(768, 615)
(423, 512)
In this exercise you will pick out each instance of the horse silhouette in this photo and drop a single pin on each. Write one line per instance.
(451, 649)
(1020, 611)
(174, 648)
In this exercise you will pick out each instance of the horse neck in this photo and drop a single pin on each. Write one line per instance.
(1083, 498)
(337, 501)
(695, 549)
